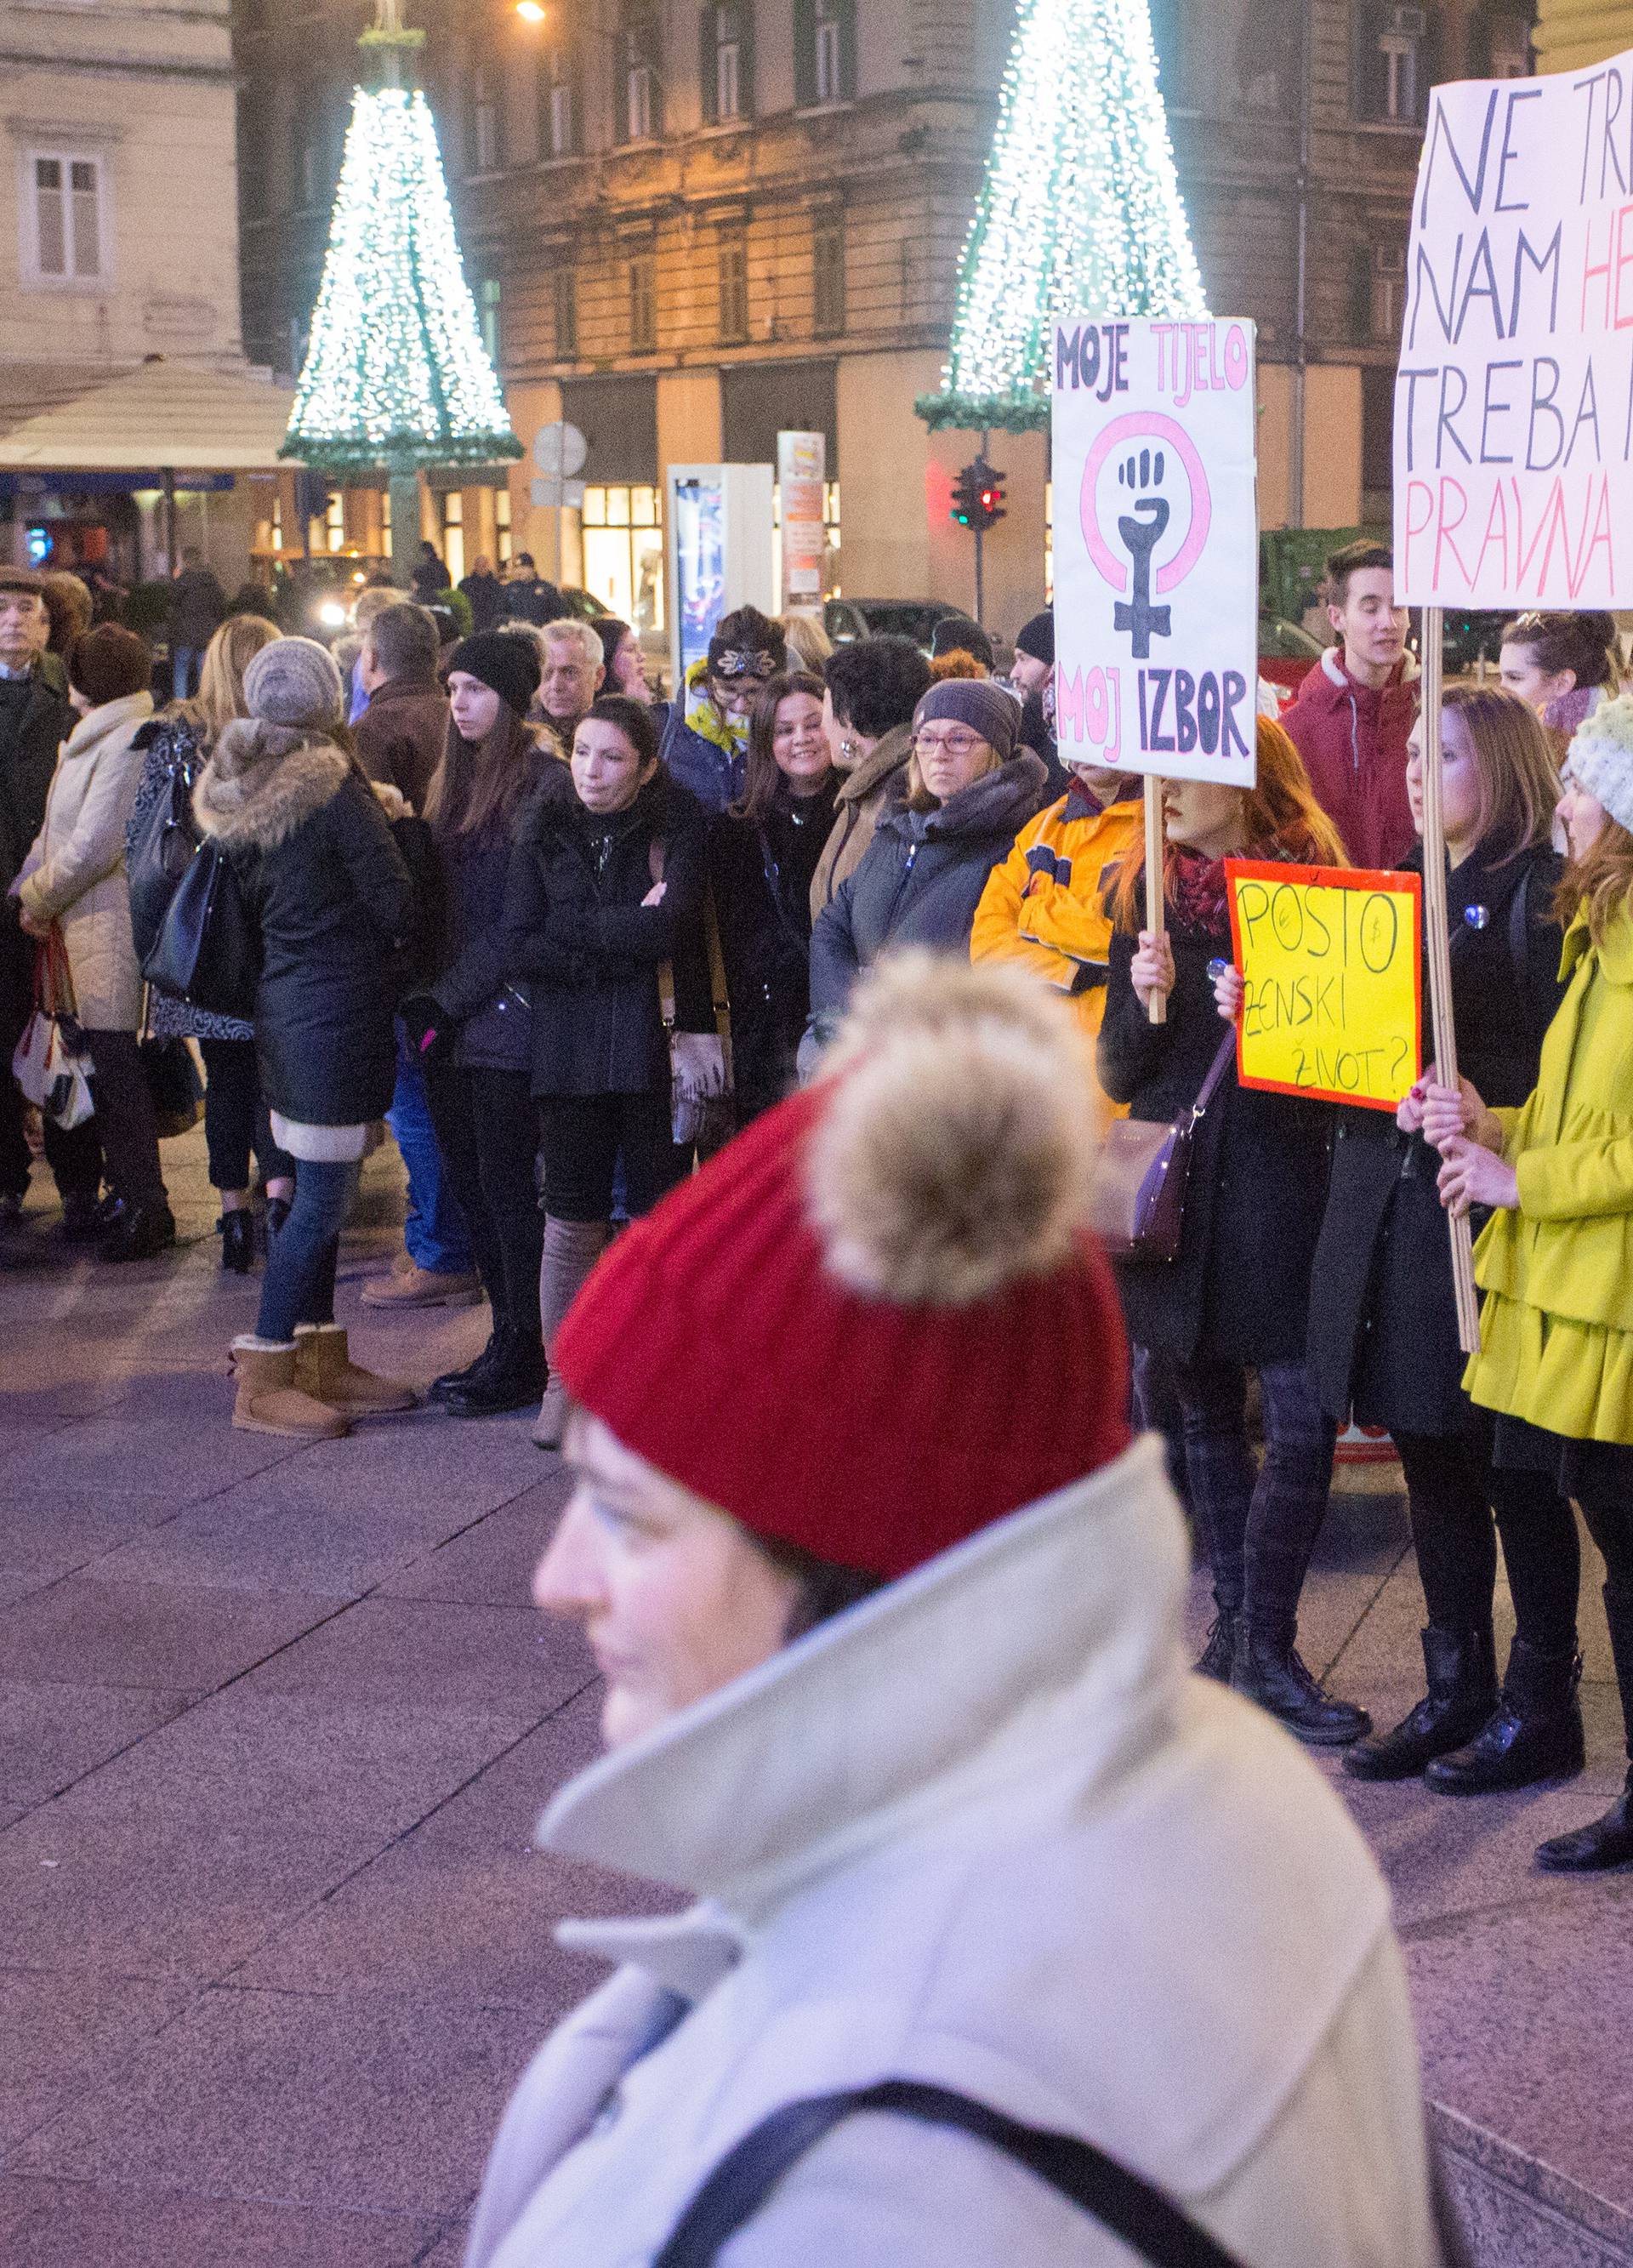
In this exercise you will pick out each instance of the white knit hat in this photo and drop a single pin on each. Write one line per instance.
(1601, 757)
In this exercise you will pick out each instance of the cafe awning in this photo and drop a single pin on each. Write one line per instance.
(165, 415)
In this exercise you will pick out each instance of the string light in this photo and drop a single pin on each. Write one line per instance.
(1079, 214)
(396, 372)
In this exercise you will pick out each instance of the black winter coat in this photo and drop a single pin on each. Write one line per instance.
(327, 887)
(920, 880)
(490, 1009)
(760, 871)
(576, 932)
(1383, 1317)
(35, 719)
(1239, 1289)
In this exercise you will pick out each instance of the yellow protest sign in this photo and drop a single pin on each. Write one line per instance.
(1330, 958)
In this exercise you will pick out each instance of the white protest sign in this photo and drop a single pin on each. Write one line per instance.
(1156, 547)
(1513, 412)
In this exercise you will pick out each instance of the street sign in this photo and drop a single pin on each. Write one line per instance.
(555, 492)
(559, 451)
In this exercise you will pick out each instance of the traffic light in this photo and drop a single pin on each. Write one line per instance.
(978, 497)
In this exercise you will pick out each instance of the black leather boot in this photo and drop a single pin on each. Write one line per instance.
(1461, 1667)
(1269, 1671)
(140, 1233)
(1608, 1841)
(1534, 1732)
(236, 1231)
(515, 1380)
(453, 1381)
(1218, 1655)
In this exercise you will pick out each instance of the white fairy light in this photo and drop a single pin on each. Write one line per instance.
(1080, 212)
(396, 371)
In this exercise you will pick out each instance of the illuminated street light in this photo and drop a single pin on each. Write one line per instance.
(531, 12)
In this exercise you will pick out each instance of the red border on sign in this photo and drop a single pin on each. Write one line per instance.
(1334, 878)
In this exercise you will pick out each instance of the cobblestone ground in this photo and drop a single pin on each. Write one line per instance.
(275, 1725)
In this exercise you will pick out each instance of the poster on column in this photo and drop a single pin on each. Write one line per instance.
(1514, 407)
(1156, 546)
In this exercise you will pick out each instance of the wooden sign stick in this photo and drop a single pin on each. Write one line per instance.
(1437, 945)
(1157, 1006)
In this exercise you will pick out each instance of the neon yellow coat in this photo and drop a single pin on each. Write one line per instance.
(1557, 1324)
(1044, 906)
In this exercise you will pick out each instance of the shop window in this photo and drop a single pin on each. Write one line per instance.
(482, 148)
(733, 260)
(66, 217)
(623, 552)
(825, 52)
(643, 304)
(488, 295)
(565, 298)
(640, 109)
(827, 276)
(453, 533)
(501, 525)
(726, 60)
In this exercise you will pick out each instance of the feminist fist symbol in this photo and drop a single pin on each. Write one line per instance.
(1141, 535)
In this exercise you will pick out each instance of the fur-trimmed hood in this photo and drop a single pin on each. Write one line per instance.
(263, 782)
(1000, 802)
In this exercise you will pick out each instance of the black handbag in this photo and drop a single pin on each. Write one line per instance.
(174, 1084)
(208, 951)
(159, 853)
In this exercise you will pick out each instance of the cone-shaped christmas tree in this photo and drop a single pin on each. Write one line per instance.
(1080, 212)
(396, 373)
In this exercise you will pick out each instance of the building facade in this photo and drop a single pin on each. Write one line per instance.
(691, 225)
(118, 229)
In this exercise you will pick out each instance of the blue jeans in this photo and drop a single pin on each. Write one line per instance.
(299, 1284)
(434, 1231)
(184, 668)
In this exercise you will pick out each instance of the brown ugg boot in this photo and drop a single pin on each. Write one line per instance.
(324, 1368)
(270, 1402)
(571, 1248)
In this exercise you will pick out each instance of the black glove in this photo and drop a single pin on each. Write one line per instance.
(425, 1023)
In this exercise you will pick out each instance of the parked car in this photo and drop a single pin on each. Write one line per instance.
(846, 620)
(1286, 654)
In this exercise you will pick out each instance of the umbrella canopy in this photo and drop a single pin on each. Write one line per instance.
(164, 416)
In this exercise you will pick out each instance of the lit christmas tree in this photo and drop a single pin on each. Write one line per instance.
(396, 373)
(1079, 214)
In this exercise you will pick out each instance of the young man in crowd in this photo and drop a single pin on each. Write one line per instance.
(1356, 707)
(400, 735)
(35, 719)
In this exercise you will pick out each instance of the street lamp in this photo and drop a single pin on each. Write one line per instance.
(531, 12)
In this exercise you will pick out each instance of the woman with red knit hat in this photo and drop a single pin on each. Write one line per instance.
(989, 1886)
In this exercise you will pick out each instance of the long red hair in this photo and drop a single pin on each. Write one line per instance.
(1281, 818)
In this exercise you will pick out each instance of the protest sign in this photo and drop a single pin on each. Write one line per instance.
(1330, 961)
(1513, 413)
(1156, 546)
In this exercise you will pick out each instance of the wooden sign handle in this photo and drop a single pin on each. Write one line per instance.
(1436, 944)
(1157, 1006)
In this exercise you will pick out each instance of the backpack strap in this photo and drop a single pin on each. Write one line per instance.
(1121, 2201)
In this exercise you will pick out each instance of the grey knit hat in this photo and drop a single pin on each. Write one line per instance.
(294, 682)
(1601, 757)
(986, 708)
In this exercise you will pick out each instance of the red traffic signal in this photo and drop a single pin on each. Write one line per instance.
(978, 496)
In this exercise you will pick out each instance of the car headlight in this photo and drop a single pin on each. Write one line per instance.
(332, 614)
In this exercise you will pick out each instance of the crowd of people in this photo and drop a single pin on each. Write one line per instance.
(565, 941)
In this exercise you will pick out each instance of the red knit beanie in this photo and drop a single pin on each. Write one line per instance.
(874, 1324)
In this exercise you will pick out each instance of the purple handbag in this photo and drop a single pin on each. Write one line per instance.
(1136, 1193)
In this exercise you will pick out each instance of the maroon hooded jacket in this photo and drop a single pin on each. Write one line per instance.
(1353, 741)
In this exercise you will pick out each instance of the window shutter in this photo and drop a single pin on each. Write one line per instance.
(847, 13)
(804, 54)
(1370, 74)
(1431, 60)
(708, 65)
(745, 59)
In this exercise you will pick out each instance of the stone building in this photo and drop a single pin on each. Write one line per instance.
(690, 225)
(118, 241)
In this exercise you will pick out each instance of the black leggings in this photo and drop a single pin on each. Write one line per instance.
(1452, 1491)
(487, 1133)
(584, 1136)
(124, 1117)
(236, 1120)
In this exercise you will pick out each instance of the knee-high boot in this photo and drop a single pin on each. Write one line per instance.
(571, 1248)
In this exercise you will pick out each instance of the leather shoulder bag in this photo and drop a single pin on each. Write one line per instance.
(1137, 1194)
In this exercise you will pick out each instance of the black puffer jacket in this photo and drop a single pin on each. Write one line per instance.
(1239, 1289)
(35, 719)
(759, 871)
(1383, 1315)
(577, 933)
(328, 886)
(920, 878)
(472, 986)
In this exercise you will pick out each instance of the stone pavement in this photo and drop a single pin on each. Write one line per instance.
(275, 1725)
